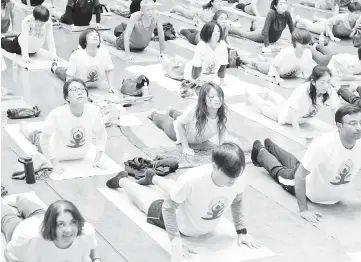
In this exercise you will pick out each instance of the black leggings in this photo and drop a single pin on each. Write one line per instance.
(12, 46)
(33, 2)
(191, 35)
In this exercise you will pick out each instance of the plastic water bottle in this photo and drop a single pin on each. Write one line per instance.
(146, 91)
(321, 41)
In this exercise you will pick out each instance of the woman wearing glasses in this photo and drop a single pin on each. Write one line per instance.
(68, 130)
(304, 103)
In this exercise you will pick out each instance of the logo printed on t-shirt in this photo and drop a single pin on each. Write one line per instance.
(93, 74)
(211, 68)
(77, 135)
(293, 72)
(36, 30)
(216, 208)
(345, 172)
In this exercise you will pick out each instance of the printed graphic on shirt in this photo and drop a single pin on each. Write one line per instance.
(293, 72)
(344, 173)
(36, 30)
(78, 137)
(216, 208)
(211, 68)
(312, 112)
(93, 74)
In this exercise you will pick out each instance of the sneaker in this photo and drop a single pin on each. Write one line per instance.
(114, 182)
(257, 146)
(267, 143)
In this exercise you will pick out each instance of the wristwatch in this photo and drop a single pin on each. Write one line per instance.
(242, 231)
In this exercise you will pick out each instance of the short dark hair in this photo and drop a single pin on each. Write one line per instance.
(49, 224)
(344, 110)
(83, 35)
(230, 159)
(207, 31)
(67, 84)
(41, 13)
(301, 36)
(274, 3)
(354, 7)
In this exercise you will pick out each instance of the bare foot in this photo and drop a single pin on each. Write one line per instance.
(151, 113)
(24, 128)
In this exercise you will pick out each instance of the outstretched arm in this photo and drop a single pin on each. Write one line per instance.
(161, 37)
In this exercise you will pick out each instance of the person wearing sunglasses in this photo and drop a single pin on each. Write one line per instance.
(326, 173)
(304, 103)
(68, 130)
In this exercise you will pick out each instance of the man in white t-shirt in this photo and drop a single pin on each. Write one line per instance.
(326, 172)
(68, 130)
(197, 201)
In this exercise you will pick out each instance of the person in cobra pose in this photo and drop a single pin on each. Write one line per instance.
(196, 202)
(137, 34)
(304, 103)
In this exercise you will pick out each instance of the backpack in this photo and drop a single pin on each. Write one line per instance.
(169, 32)
(134, 87)
(103, 9)
(20, 113)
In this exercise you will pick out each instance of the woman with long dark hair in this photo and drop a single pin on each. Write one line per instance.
(199, 122)
(60, 231)
(303, 104)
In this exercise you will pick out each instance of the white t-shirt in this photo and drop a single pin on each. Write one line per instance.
(188, 119)
(301, 102)
(332, 168)
(27, 244)
(33, 35)
(289, 65)
(202, 202)
(72, 136)
(342, 64)
(209, 60)
(91, 69)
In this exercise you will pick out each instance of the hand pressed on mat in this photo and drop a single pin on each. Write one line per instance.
(248, 241)
(180, 251)
(313, 217)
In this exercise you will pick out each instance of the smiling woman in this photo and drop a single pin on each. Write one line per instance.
(60, 232)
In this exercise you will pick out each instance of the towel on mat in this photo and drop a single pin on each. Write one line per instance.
(161, 166)
(42, 169)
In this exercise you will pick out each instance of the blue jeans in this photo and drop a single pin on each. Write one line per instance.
(9, 220)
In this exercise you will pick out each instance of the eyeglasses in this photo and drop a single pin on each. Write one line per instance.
(354, 124)
(76, 90)
(322, 82)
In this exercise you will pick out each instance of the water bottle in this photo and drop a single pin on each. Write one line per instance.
(321, 41)
(28, 168)
(146, 91)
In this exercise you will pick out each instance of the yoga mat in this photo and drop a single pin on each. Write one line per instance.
(14, 103)
(150, 135)
(39, 61)
(73, 168)
(82, 28)
(355, 256)
(329, 12)
(148, 55)
(127, 3)
(289, 83)
(314, 128)
(235, 86)
(30, 195)
(234, 11)
(178, 17)
(183, 42)
(212, 247)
